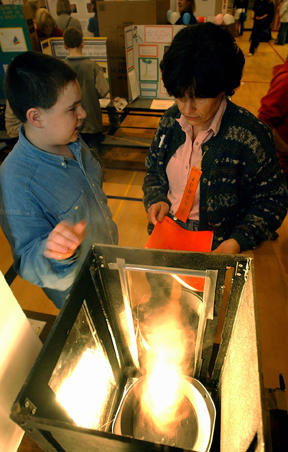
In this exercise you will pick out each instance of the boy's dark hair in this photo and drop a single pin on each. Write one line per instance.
(73, 37)
(35, 80)
(204, 60)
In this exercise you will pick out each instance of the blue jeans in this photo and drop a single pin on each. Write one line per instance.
(190, 225)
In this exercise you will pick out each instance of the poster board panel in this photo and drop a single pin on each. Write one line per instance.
(145, 47)
(17, 35)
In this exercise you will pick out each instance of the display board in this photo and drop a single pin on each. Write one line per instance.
(17, 35)
(145, 46)
(94, 48)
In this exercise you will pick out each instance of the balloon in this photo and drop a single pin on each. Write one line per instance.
(228, 19)
(174, 17)
(219, 19)
(186, 18)
(168, 15)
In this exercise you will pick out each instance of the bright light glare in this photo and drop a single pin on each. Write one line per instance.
(163, 392)
(126, 319)
(83, 394)
(183, 282)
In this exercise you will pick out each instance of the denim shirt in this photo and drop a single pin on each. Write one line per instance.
(37, 191)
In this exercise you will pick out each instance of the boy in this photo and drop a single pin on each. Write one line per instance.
(93, 85)
(52, 206)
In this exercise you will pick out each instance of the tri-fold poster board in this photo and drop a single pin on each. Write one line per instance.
(145, 46)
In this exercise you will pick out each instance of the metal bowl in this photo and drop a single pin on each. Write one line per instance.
(194, 431)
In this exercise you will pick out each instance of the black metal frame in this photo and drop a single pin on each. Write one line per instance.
(36, 409)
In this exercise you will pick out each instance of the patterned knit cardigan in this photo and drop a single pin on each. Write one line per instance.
(242, 191)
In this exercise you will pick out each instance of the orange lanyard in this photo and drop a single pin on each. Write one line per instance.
(188, 197)
(189, 194)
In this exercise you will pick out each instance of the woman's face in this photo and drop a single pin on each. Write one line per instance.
(183, 5)
(199, 111)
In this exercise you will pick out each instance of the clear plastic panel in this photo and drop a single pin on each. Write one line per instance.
(83, 380)
(161, 307)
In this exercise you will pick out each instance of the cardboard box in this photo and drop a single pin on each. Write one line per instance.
(113, 17)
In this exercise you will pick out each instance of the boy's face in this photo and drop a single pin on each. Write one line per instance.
(61, 122)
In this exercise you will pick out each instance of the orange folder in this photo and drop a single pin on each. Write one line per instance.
(168, 235)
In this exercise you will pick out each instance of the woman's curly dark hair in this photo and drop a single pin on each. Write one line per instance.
(203, 60)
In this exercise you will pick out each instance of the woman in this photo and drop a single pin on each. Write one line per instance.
(186, 9)
(46, 25)
(240, 195)
(34, 6)
(93, 25)
(64, 19)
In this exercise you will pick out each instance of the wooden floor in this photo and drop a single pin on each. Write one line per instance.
(271, 258)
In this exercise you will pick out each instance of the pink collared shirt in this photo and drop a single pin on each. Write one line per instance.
(187, 155)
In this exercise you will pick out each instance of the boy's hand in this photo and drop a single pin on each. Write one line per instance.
(64, 239)
(157, 212)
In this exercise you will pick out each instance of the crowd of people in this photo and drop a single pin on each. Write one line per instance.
(48, 26)
(52, 206)
(266, 14)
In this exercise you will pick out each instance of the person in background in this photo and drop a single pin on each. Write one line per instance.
(93, 84)
(241, 7)
(64, 18)
(12, 123)
(274, 112)
(46, 25)
(186, 9)
(93, 25)
(283, 30)
(34, 5)
(52, 206)
(263, 17)
(241, 195)
(276, 19)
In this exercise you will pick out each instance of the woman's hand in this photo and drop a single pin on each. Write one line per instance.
(157, 212)
(230, 246)
(64, 239)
